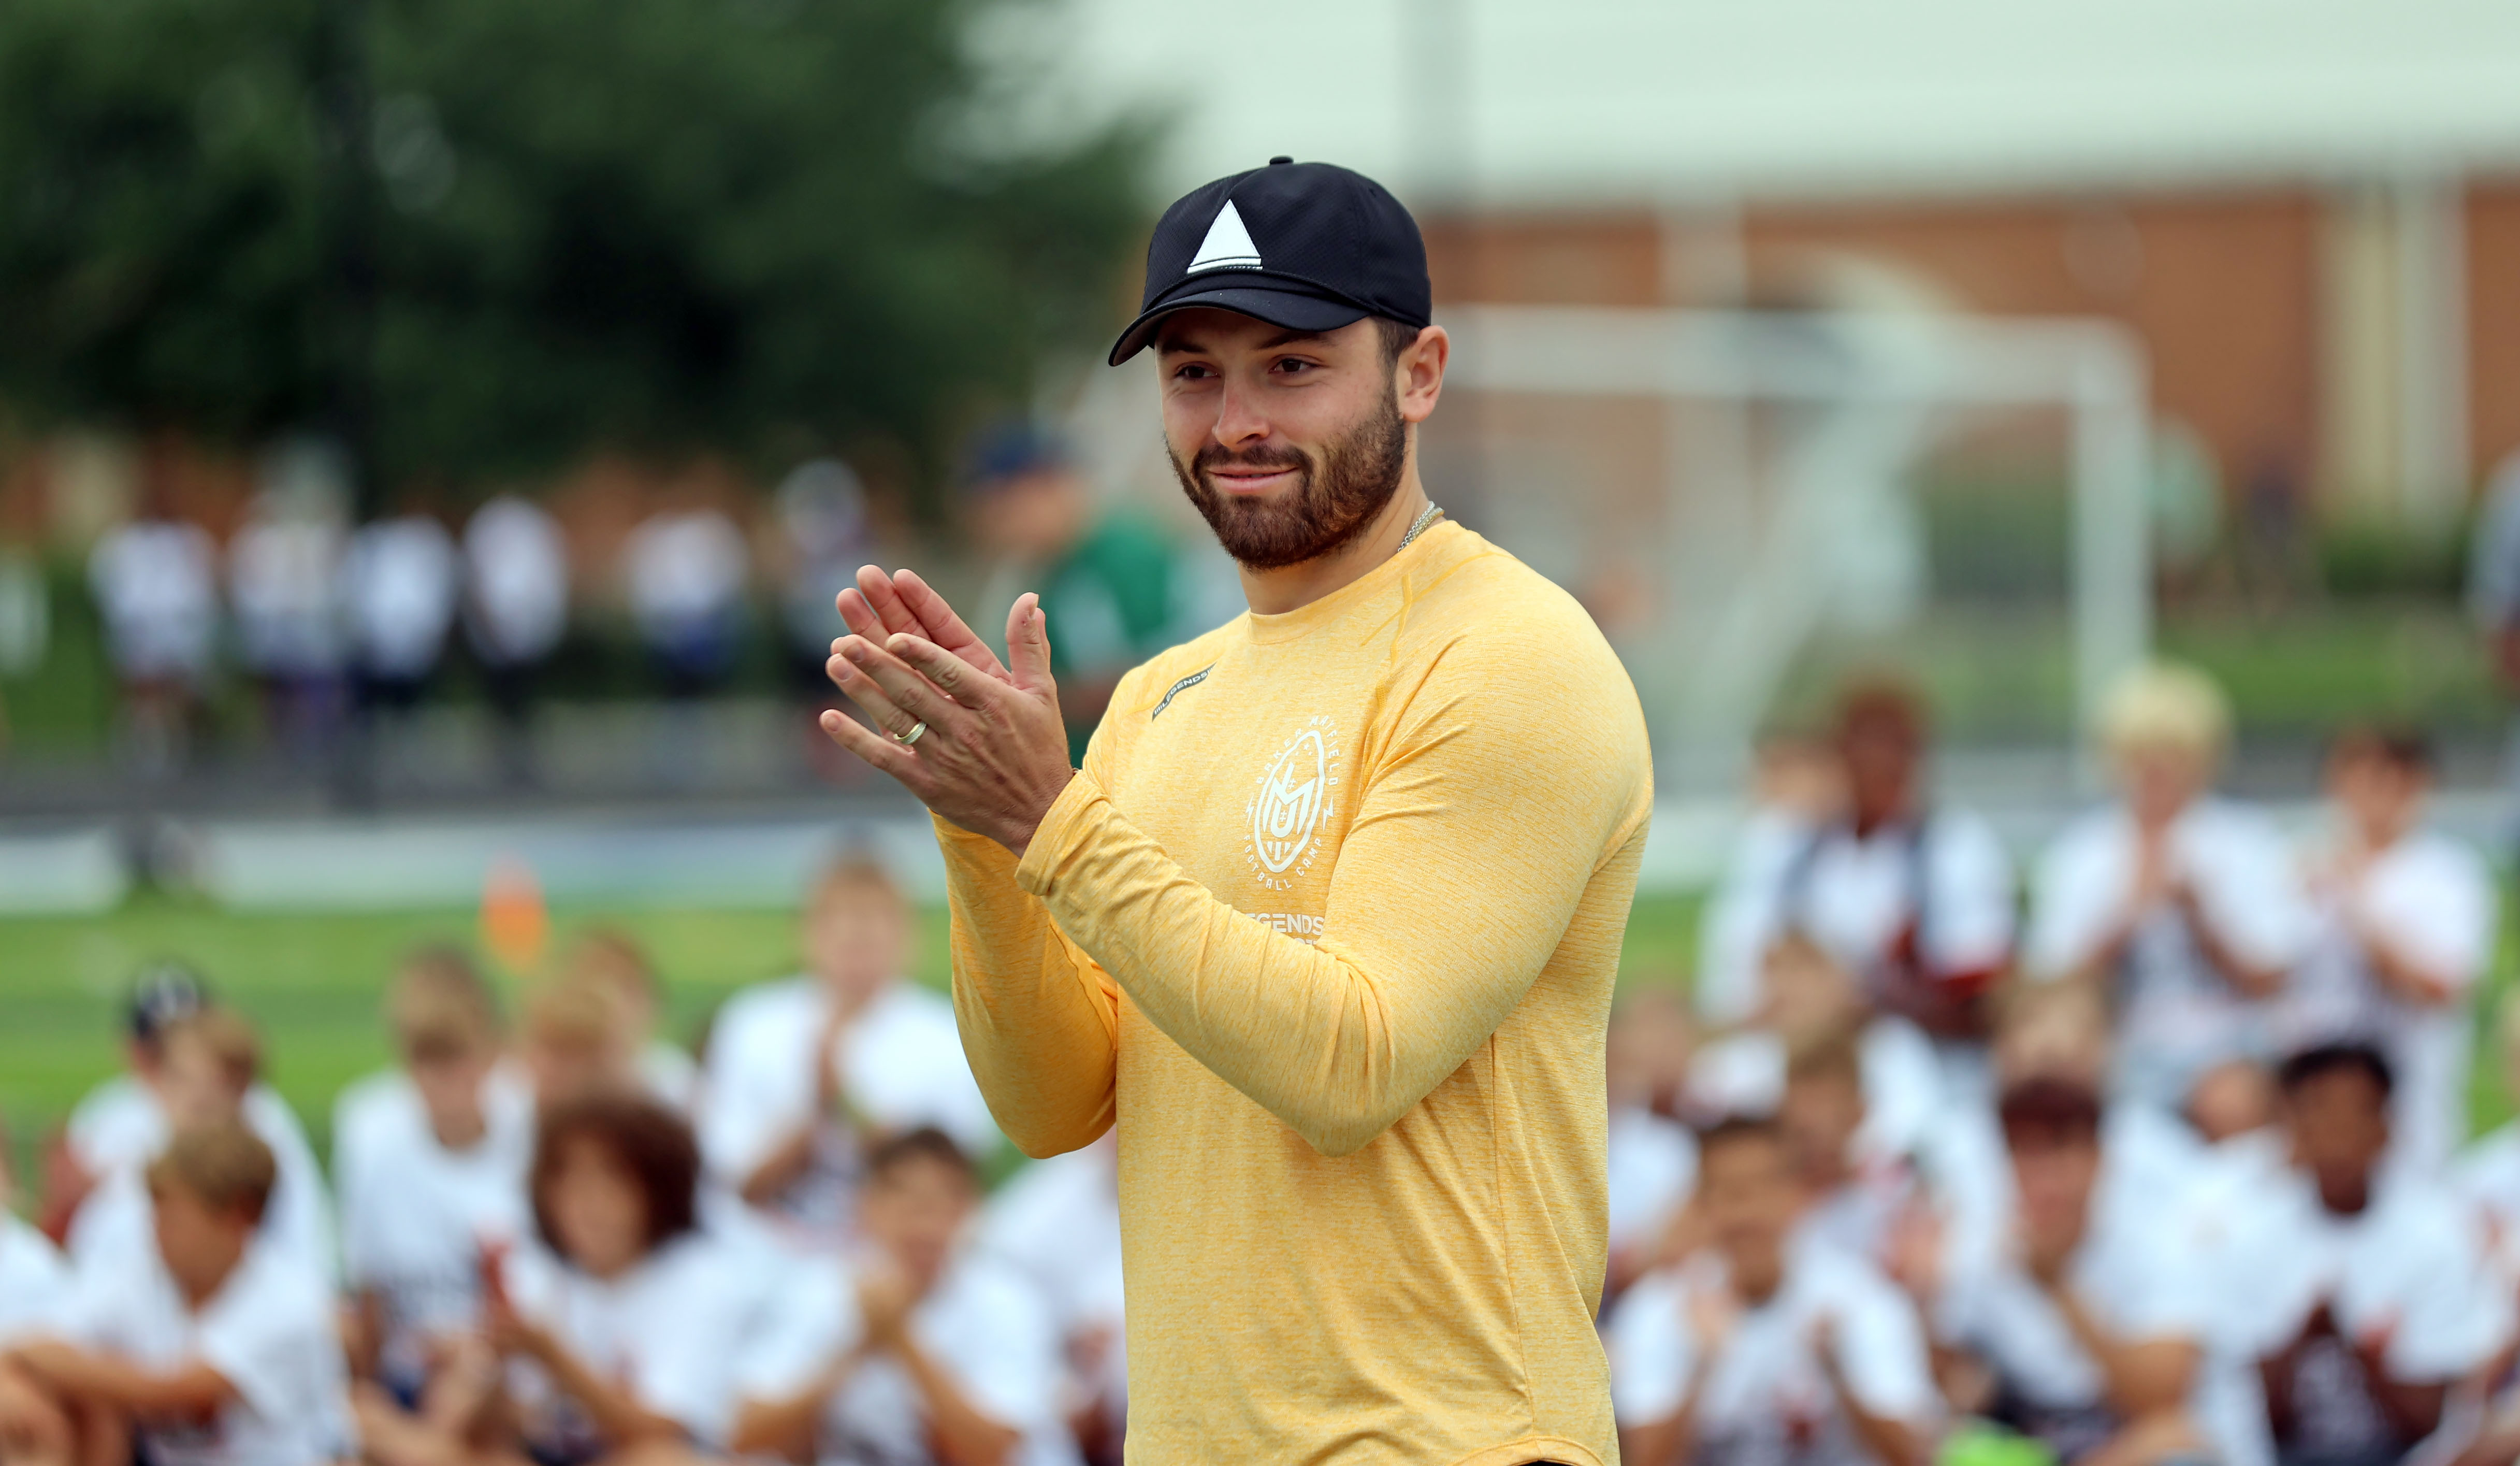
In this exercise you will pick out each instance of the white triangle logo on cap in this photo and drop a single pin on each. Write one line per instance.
(1228, 245)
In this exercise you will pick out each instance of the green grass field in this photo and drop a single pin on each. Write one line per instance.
(311, 983)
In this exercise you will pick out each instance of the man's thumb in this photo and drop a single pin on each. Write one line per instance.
(1028, 643)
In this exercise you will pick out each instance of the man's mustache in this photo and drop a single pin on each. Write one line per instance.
(1212, 458)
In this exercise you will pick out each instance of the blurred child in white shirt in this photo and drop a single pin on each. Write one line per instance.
(610, 957)
(210, 1072)
(612, 1337)
(1760, 1349)
(947, 1358)
(2367, 1291)
(805, 1073)
(430, 1162)
(2088, 1320)
(1057, 1222)
(2185, 908)
(207, 1346)
(2407, 921)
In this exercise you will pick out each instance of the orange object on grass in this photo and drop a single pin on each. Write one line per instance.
(515, 925)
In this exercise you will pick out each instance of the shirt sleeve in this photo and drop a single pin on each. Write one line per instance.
(2072, 900)
(752, 1103)
(1490, 763)
(813, 1319)
(1969, 883)
(1652, 1352)
(1882, 1346)
(1006, 1354)
(908, 1069)
(2249, 886)
(2163, 1291)
(2439, 910)
(1744, 916)
(265, 1346)
(2448, 1316)
(1040, 1020)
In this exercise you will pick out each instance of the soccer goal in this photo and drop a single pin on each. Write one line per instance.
(1753, 503)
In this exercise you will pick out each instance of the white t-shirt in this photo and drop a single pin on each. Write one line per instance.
(36, 1287)
(156, 582)
(268, 1332)
(1653, 1169)
(1853, 896)
(2177, 1015)
(670, 1330)
(672, 1075)
(2487, 1173)
(400, 582)
(2411, 1263)
(2137, 1274)
(284, 578)
(416, 1215)
(1766, 1392)
(901, 1066)
(118, 1128)
(982, 1324)
(2431, 900)
(1736, 928)
(515, 582)
(686, 570)
(1057, 1223)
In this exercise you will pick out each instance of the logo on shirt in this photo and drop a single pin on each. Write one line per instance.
(1180, 687)
(1285, 809)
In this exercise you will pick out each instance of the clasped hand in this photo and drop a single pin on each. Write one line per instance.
(993, 755)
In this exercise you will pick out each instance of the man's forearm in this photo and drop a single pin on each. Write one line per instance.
(1337, 1040)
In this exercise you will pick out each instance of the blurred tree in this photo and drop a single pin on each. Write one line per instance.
(658, 224)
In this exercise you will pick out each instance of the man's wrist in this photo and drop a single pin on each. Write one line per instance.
(1020, 840)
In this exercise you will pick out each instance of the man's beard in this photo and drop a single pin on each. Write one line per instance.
(1333, 502)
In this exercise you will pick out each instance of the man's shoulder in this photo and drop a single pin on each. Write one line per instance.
(1468, 587)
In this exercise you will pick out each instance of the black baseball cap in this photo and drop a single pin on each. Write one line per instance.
(164, 994)
(1307, 245)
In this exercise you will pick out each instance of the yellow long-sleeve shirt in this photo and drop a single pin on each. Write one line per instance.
(1328, 923)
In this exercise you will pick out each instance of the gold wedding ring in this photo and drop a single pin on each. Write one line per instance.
(918, 731)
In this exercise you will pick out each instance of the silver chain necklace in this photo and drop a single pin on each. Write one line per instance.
(1432, 514)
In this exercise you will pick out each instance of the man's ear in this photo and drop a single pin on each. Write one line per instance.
(1418, 375)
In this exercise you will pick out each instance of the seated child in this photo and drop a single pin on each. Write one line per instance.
(206, 1348)
(947, 1358)
(610, 957)
(2088, 1320)
(1760, 1349)
(209, 1074)
(2367, 1295)
(430, 1162)
(619, 1333)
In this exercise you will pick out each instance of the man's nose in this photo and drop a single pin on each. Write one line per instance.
(1238, 418)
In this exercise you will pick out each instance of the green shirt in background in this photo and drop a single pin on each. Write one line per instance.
(1110, 605)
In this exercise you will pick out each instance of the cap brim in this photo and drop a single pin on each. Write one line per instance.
(1294, 310)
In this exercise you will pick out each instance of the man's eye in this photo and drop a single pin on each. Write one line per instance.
(1191, 372)
(1294, 365)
